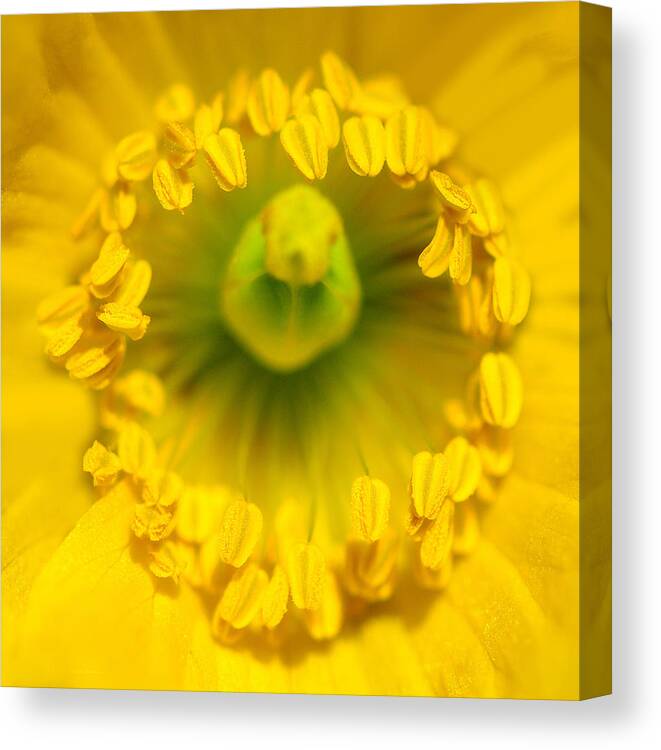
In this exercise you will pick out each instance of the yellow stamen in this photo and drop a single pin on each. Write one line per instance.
(370, 507)
(227, 159)
(276, 596)
(380, 97)
(437, 540)
(63, 339)
(243, 596)
(452, 196)
(306, 571)
(237, 97)
(370, 568)
(364, 145)
(300, 88)
(268, 103)
(303, 139)
(177, 104)
(85, 221)
(466, 529)
(461, 255)
(240, 531)
(102, 464)
(165, 562)
(200, 512)
(137, 452)
(173, 188)
(162, 488)
(434, 580)
(105, 271)
(320, 104)
(489, 217)
(429, 483)
(180, 144)
(90, 363)
(435, 258)
(324, 622)
(476, 316)
(405, 151)
(134, 285)
(123, 319)
(501, 390)
(438, 142)
(511, 291)
(496, 452)
(117, 208)
(464, 469)
(152, 522)
(63, 306)
(339, 79)
(136, 155)
(142, 391)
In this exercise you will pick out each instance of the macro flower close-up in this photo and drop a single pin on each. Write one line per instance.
(291, 353)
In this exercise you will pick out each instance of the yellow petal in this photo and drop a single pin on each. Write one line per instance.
(173, 188)
(496, 452)
(364, 145)
(370, 507)
(225, 156)
(240, 531)
(304, 141)
(501, 390)
(268, 103)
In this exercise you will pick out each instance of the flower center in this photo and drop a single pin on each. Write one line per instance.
(291, 290)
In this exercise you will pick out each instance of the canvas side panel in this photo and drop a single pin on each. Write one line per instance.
(595, 350)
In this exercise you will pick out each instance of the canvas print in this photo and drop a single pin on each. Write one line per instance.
(306, 350)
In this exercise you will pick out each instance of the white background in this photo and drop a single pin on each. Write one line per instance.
(104, 719)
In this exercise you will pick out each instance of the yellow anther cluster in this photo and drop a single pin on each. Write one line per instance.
(440, 483)
(86, 325)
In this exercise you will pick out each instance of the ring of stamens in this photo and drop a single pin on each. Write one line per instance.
(209, 535)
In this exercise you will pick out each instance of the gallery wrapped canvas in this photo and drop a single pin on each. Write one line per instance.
(306, 350)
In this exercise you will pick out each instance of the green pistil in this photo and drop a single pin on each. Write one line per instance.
(291, 290)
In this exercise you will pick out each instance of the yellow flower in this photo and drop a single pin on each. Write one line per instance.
(318, 393)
